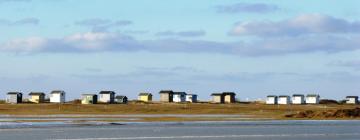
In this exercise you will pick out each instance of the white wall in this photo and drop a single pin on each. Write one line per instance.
(351, 101)
(104, 98)
(298, 100)
(284, 100)
(312, 100)
(191, 98)
(57, 98)
(178, 98)
(271, 100)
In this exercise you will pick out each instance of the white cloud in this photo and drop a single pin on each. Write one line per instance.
(303, 24)
(25, 45)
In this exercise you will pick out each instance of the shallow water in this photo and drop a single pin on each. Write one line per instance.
(247, 130)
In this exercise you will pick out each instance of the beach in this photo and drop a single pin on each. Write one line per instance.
(234, 130)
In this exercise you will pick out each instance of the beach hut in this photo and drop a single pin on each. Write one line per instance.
(179, 97)
(298, 99)
(166, 95)
(57, 96)
(312, 99)
(191, 98)
(229, 97)
(352, 100)
(283, 100)
(217, 98)
(36, 97)
(107, 96)
(121, 99)
(271, 99)
(145, 97)
(89, 99)
(14, 97)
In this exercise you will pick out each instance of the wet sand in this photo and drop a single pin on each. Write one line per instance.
(249, 130)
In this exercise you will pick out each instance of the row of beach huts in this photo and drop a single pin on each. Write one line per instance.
(302, 99)
(110, 97)
(58, 96)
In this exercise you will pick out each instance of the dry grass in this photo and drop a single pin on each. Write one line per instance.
(258, 110)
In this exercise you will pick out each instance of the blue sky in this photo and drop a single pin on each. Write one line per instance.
(253, 48)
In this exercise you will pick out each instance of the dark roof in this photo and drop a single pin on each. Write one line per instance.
(120, 97)
(312, 95)
(271, 96)
(228, 93)
(184, 93)
(107, 92)
(145, 94)
(352, 96)
(284, 96)
(298, 95)
(37, 93)
(14, 93)
(216, 94)
(166, 91)
(57, 91)
(192, 94)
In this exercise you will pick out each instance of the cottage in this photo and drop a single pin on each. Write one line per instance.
(229, 97)
(217, 98)
(57, 96)
(298, 99)
(145, 97)
(271, 99)
(312, 99)
(166, 95)
(14, 97)
(352, 100)
(89, 99)
(37, 97)
(121, 99)
(107, 96)
(191, 98)
(179, 97)
(283, 100)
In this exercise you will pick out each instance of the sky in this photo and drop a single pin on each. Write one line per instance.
(251, 47)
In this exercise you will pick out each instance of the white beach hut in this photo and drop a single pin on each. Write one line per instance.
(298, 99)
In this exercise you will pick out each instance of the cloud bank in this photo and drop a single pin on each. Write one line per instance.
(191, 33)
(247, 8)
(25, 21)
(300, 25)
(101, 25)
(301, 34)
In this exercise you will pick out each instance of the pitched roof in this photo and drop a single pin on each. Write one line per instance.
(37, 93)
(312, 95)
(298, 95)
(271, 96)
(184, 93)
(120, 97)
(166, 91)
(287, 96)
(145, 94)
(352, 96)
(107, 92)
(216, 94)
(228, 93)
(57, 91)
(14, 93)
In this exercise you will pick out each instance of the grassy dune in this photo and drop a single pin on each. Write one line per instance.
(255, 110)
